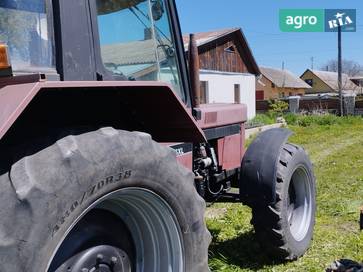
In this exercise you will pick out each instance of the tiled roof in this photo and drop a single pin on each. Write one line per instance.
(283, 78)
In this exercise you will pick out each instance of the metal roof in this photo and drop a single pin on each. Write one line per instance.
(284, 78)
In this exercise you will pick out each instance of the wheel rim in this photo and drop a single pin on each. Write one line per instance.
(151, 224)
(299, 203)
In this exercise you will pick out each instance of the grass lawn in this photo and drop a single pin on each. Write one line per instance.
(337, 155)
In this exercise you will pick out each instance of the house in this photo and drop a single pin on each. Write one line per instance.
(228, 69)
(327, 82)
(277, 83)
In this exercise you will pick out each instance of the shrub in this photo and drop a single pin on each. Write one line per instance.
(277, 108)
(291, 118)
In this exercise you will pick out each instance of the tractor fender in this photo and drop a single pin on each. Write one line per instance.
(259, 165)
(151, 107)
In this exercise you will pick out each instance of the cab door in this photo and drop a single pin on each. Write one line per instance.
(139, 40)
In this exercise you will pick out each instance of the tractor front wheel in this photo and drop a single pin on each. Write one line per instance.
(286, 228)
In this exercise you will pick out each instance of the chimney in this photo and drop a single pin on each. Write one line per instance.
(194, 70)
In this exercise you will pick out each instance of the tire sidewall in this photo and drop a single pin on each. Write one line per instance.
(68, 183)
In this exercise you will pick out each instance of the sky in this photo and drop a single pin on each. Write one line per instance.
(259, 20)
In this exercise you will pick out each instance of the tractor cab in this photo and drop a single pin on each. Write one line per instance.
(134, 40)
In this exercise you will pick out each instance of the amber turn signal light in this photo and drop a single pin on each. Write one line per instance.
(4, 56)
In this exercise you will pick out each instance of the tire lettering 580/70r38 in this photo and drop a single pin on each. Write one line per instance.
(86, 194)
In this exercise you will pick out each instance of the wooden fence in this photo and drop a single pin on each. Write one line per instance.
(330, 104)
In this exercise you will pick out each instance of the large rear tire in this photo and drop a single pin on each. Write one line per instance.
(285, 229)
(109, 199)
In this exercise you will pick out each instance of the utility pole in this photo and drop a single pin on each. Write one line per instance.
(340, 70)
(284, 78)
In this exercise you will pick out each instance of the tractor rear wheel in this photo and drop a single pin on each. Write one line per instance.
(285, 229)
(106, 200)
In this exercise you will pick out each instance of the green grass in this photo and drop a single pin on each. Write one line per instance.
(337, 154)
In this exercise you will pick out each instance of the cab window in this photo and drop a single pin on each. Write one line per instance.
(24, 27)
(137, 42)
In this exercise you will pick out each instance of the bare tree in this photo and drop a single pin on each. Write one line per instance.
(349, 67)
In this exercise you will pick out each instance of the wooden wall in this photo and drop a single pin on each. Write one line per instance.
(215, 57)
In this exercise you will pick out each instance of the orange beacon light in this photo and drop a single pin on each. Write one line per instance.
(5, 66)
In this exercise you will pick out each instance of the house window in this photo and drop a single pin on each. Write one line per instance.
(204, 92)
(283, 94)
(237, 93)
(230, 49)
(290, 93)
(272, 85)
(309, 81)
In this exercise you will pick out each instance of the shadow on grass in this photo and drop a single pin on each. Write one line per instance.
(243, 251)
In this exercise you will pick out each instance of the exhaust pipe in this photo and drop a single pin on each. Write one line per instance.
(194, 70)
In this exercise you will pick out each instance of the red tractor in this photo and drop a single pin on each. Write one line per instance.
(107, 156)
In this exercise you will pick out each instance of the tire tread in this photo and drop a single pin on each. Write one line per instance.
(267, 220)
